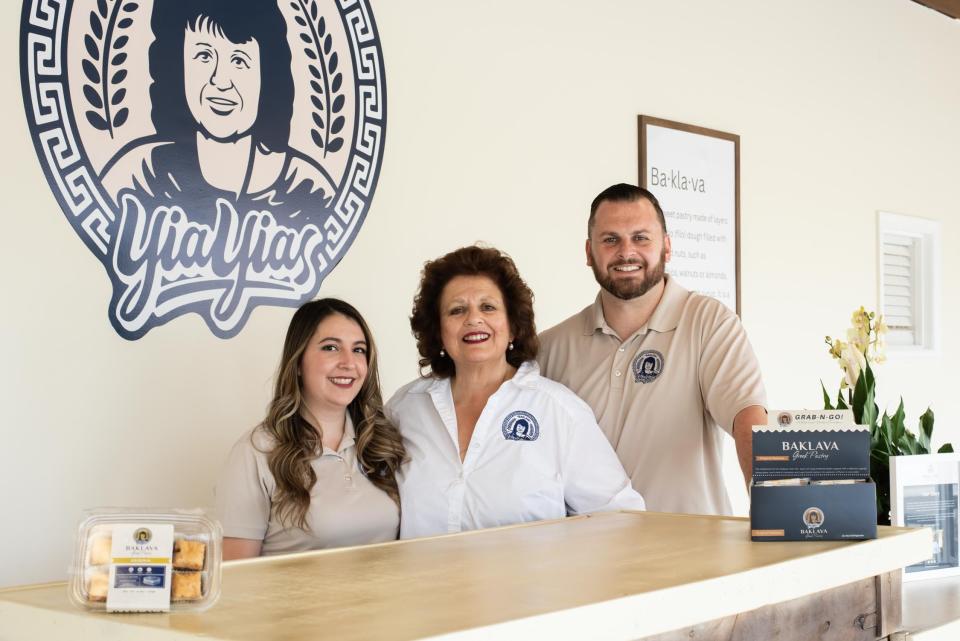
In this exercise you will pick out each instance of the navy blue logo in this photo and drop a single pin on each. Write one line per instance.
(647, 366)
(520, 426)
(214, 155)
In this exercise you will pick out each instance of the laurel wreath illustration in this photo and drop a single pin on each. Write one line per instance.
(103, 64)
(326, 82)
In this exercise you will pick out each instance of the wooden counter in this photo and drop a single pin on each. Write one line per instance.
(610, 576)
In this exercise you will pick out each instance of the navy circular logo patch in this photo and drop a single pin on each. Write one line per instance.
(213, 155)
(647, 366)
(520, 426)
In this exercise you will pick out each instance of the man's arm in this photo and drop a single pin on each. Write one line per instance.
(743, 436)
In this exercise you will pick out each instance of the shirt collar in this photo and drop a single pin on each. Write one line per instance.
(593, 319)
(347, 441)
(349, 434)
(526, 376)
(665, 317)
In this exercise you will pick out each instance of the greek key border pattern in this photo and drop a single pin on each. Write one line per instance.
(55, 136)
(364, 166)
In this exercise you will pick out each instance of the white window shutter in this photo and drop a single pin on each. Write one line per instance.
(899, 287)
(908, 263)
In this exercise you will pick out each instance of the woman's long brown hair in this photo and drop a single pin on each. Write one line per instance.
(296, 443)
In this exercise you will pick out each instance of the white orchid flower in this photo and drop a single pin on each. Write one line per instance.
(880, 327)
(859, 338)
(852, 361)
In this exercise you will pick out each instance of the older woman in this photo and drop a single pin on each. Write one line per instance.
(319, 472)
(490, 441)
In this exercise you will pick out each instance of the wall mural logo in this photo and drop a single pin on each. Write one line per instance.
(215, 155)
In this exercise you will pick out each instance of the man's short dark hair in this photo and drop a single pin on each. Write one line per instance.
(624, 193)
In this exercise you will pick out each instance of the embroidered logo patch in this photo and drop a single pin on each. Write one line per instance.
(520, 426)
(213, 155)
(647, 366)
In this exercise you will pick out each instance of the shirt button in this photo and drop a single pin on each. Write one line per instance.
(621, 349)
(618, 372)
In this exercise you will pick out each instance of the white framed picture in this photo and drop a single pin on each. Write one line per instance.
(695, 174)
(925, 492)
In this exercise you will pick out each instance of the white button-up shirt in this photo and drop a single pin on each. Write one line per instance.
(536, 453)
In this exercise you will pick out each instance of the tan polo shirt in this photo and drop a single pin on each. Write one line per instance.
(662, 395)
(345, 507)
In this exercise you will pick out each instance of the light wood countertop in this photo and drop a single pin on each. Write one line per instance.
(608, 576)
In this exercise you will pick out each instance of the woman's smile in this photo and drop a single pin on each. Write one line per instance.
(473, 320)
(221, 81)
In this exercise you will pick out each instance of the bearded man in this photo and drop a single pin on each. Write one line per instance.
(666, 371)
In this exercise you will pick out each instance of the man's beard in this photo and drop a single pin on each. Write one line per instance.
(627, 289)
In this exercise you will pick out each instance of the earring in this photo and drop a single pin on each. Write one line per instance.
(510, 346)
(442, 353)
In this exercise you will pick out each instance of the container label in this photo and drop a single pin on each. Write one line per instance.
(140, 568)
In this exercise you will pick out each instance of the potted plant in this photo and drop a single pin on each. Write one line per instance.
(889, 436)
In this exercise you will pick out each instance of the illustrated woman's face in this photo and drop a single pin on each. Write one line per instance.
(221, 80)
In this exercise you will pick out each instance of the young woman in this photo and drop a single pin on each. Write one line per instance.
(319, 472)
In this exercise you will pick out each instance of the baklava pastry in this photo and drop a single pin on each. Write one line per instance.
(188, 555)
(185, 586)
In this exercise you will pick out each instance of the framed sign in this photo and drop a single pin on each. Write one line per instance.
(925, 492)
(695, 174)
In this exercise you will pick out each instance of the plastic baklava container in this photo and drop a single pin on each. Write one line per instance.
(146, 560)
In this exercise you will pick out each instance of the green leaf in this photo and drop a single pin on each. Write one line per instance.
(908, 443)
(926, 430)
(868, 374)
(882, 458)
(885, 435)
(841, 405)
(864, 407)
(899, 427)
(870, 411)
(946, 448)
(826, 397)
(859, 396)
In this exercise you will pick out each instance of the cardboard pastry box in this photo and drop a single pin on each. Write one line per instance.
(811, 478)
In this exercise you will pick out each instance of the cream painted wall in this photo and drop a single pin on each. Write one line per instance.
(505, 119)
